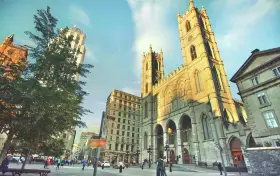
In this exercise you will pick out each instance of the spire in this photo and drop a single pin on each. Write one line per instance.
(203, 11)
(151, 49)
(11, 37)
(191, 4)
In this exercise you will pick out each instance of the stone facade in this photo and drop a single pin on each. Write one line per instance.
(258, 81)
(194, 102)
(263, 161)
(122, 127)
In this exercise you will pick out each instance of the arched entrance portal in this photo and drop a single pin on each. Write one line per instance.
(186, 156)
(172, 156)
(172, 135)
(236, 152)
(171, 129)
(186, 129)
(159, 141)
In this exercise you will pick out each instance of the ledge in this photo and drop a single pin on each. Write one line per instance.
(264, 148)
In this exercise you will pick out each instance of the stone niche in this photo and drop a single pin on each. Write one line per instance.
(263, 161)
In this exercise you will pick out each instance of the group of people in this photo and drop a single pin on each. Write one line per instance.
(161, 165)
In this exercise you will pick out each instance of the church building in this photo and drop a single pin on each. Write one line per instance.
(189, 114)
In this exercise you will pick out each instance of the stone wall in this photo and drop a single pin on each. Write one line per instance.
(264, 161)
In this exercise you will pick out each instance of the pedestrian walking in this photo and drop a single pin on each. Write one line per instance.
(159, 166)
(220, 168)
(84, 162)
(58, 163)
(163, 172)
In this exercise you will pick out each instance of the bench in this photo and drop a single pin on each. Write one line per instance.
(15, 171)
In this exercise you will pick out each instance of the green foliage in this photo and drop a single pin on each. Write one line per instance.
(48, 96)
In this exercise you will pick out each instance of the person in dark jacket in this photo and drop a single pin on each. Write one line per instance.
(5, 164)
(220, 168)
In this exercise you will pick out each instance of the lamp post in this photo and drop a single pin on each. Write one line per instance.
(149, 151)
(166, 149)
(127, 152)
(217, 143)
(137, 153)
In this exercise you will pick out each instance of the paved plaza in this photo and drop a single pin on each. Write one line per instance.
(77, 171)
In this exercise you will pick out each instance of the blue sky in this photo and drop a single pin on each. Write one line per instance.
(119, 31)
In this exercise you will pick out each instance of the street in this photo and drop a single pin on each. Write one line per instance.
(77, 171)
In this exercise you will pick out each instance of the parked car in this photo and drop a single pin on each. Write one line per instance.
(106, 164)
(118, 165)
(99, 164)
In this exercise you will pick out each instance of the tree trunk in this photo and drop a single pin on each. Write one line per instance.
(6, 146)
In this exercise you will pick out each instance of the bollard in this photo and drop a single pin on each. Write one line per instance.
(102, 166)
(120, 169)
(142, 166)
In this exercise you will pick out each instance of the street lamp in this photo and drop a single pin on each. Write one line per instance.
(127, 152)
(137, 153)
(150, 151)
(167, 149)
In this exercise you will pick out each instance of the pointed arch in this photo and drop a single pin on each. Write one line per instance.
(217, 78)
(169, 96)
(198, 82)
(146, 109)
(193, 52)
(188, 25)
(145, 141)
(206, 126)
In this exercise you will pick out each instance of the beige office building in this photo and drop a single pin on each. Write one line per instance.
(78, 44)
(122, 125)
(258, 81)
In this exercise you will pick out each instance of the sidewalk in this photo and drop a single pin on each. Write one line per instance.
(194, 168)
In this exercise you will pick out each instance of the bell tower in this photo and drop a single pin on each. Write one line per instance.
(152, 70)
(201, 55)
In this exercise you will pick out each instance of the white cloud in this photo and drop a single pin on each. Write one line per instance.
(78, 16)
(27, 42)
(90, 54)
(242, 22)
(134, 91)
(151, 27)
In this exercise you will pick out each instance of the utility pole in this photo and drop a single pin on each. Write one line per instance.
(98, 149)
(217, 137)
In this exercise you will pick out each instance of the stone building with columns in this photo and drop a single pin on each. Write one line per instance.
(194, 102)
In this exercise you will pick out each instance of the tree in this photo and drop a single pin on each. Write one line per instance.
(50, 95)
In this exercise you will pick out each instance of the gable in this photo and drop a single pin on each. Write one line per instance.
(260, 60)
(256, 59)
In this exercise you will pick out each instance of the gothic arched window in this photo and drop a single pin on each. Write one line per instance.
(146, 87)
(206, 128)
(188, 25)
(145, 141)
(146, 109)
(146, 66)
(193, 52)
(217, 79)
(197, 81)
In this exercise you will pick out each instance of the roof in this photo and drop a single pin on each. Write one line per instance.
(251, 58)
